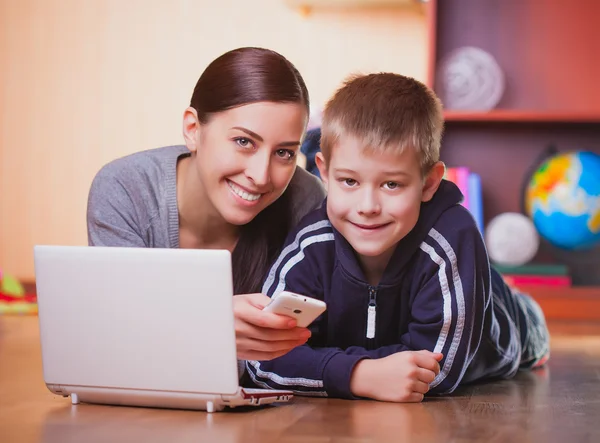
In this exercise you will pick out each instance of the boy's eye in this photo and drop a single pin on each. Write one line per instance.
(349, 182)
(286, 154)
(243, 142)
(391, 185)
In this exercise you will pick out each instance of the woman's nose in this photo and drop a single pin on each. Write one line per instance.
(258, 169)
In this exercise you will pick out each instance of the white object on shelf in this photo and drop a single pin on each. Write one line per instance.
(469, 78)
(511, 239)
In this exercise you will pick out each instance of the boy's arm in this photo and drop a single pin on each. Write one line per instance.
(305, 370)
(447, 318)
(447, 314)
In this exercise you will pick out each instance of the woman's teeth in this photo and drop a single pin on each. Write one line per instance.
(241, 193)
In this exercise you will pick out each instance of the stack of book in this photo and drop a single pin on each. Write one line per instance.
(14, 299)
(536, 274)
(469, 184)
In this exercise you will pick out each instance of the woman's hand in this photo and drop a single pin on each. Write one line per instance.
(263, 335)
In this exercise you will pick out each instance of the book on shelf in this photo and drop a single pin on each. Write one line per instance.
(534, 269)
(536, 274)
(537, 280)
(469, 184)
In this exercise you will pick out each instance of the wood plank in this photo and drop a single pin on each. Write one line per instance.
(555, 404)
(575, 303)
(522, 116)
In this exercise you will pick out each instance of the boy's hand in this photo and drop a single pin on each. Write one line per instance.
(401, 377)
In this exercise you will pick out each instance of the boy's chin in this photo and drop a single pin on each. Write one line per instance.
(367, 251)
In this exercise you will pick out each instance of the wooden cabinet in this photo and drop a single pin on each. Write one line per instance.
(549, 52)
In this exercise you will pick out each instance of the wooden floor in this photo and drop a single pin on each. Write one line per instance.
(558, 404)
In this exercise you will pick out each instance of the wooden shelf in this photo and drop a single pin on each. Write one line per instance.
(307, 6)
(574, 303)
(521, 116)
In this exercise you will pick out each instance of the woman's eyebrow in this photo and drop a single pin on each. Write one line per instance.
(260, 139)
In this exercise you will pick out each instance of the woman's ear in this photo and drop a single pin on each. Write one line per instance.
(432, 181)
(191, 129)
(322, 167)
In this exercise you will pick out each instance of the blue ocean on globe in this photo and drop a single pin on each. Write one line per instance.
(563, 200)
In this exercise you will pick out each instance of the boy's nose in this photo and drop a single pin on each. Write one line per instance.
(369, 203)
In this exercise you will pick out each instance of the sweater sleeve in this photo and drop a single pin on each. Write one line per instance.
(308, 370)
(447, 316)
(111, 216)
(447, 313)
(452, 292)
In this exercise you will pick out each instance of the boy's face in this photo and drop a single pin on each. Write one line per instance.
(374, 199)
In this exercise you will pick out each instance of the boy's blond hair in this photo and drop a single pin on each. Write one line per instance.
(385, 111)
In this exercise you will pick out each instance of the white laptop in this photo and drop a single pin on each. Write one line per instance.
(141, 327)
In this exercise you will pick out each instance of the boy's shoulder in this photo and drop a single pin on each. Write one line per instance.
(315, 220)
(314, 233)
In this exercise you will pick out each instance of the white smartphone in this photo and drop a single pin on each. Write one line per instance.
(304, 309)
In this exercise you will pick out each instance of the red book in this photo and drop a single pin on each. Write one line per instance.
(537, 280)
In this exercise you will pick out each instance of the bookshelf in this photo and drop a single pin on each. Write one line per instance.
(548, 54)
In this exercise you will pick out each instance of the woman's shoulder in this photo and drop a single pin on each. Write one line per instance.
(152, 163)
(143, 179)
(306, 193)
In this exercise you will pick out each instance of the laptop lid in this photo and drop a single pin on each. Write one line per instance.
(137, 318)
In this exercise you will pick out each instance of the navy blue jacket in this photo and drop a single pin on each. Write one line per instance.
(435, 294)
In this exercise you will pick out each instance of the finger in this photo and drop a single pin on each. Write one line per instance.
(258, 300)
(420, 387)
(247, 312)
(414, 397)
(259, 356)
(427, 362)
(267, 346)
(427, 353)
(425, 375)
(246, 330)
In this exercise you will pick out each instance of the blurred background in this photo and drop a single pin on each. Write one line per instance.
(85, 81)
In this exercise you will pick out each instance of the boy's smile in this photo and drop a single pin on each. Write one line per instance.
(374, 198)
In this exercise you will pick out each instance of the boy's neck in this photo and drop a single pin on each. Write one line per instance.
(374, 267)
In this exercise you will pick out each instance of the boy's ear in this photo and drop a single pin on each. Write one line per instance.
(321, 166)
(191, 129)
(432, 181)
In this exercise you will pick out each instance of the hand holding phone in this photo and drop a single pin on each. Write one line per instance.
(304, 309)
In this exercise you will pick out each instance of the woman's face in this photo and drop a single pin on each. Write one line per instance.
(246, 156)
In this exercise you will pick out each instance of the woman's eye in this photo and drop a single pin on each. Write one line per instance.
(349, 182)
(243, 142)
(392, 185)
(286, 154)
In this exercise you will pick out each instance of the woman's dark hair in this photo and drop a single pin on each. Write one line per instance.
(241, 77)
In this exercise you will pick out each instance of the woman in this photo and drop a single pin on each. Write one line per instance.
(234, 185)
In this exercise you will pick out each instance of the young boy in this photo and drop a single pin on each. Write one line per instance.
(413, 306)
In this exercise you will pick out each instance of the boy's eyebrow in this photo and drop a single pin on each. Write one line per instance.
(386, 173)
(260, 139)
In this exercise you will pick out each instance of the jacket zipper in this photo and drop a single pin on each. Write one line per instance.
(371, 313)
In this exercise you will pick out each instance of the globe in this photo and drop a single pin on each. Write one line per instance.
(563, 200)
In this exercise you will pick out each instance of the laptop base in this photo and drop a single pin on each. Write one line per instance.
(170, 400)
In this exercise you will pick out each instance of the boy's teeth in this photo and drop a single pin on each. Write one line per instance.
(243, 194)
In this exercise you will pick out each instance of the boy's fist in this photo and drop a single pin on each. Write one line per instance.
(401, 377)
